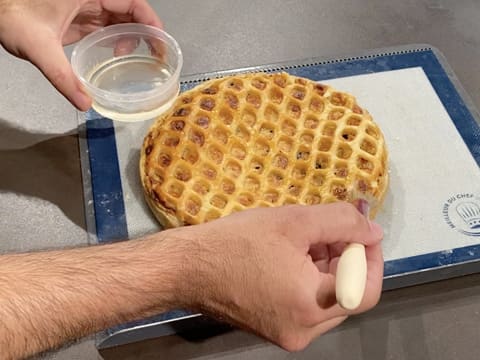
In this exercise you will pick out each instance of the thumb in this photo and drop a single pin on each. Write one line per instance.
(48, 56)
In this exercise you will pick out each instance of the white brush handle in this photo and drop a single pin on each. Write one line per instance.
(351, 276)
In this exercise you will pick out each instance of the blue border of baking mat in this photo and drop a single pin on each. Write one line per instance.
(105, 175)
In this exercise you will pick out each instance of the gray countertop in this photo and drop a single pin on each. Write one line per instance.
(41, 200)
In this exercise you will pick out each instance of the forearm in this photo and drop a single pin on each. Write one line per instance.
(49, 298)
(280, 259)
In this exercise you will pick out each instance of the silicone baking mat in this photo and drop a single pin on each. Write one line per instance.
(431, 214)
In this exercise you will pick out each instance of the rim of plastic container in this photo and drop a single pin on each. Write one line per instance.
(127, 29)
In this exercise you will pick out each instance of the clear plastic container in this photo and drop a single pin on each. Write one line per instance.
(131, 71)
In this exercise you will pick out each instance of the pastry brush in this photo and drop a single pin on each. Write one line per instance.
(351, 276)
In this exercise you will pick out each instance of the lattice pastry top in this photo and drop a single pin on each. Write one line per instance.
(260, 140)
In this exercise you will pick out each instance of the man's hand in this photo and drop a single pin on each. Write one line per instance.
(36, 30)
(272, 271)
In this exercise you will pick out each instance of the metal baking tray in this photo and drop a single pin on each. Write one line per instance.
(107, 201)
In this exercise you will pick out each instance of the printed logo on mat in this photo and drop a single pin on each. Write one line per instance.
(462, 212)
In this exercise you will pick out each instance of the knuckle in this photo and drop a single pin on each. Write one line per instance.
(288, 215)
(375, 299)
(295, 212)
(293, 342)
(58, 76)
(304, 316)
(346, 208)
(294, 209)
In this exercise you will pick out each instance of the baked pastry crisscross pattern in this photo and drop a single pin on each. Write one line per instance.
(260, 140)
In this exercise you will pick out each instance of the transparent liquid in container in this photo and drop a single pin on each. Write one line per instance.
(131, 74)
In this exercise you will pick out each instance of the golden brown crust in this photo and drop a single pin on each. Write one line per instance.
(260, 140)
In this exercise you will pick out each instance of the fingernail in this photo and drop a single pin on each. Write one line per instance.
(376, 229)
(364, 207)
